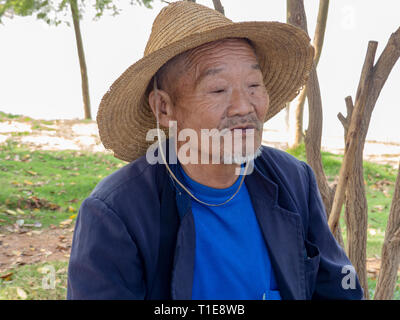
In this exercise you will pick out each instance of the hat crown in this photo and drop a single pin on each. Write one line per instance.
(181, 19)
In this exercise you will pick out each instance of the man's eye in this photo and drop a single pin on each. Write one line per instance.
(218, 91)
(254, 85)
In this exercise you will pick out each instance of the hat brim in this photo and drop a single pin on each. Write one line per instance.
(124, 117)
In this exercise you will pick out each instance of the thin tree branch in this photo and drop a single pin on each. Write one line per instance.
(218, 6)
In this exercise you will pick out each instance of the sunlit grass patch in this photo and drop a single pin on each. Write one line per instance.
(41, 281)
(48, 186)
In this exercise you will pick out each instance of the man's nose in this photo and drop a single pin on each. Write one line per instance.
(240, 103)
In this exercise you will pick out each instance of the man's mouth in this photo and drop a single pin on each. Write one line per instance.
(243, 127)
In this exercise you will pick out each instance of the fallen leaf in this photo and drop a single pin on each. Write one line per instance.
(62, 247)
(16, 253)
(7, 276)
(33, 173)
(11, 212)
(65, 222)
(62, 270)
(21, 293)
(20, 211)
(379, 207)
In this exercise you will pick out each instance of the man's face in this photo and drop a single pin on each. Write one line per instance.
(222, 89)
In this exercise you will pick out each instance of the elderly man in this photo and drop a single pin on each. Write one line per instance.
(230, 219)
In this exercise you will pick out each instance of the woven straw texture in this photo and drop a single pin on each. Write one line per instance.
(124, 116)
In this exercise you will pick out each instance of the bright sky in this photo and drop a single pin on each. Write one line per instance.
(40, 77)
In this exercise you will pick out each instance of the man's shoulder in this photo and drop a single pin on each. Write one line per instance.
(284, 168)
(280, 158)
(131, 178)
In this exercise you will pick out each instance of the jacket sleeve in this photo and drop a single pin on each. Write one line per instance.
(336, 277)
(104, 261)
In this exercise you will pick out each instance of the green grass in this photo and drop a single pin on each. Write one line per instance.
(379, 196)
(41, 125)
(60, 179)
(35, 282)
(8, 116)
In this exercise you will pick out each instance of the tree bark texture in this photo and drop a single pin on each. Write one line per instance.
(82, 62)
(297, 17)
(318, 41)
(390, 250)
(356, 209)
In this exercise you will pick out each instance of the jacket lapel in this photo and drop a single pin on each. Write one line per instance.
(282, 233)
(183, 266)
(281, 228)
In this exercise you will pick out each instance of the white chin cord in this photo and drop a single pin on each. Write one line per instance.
(170, 171)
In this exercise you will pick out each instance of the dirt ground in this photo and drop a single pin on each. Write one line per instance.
(20, 246)
(23, 246)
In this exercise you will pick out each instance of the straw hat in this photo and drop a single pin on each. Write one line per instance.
(124, 116)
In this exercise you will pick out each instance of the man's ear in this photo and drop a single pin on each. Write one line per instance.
(164, 104)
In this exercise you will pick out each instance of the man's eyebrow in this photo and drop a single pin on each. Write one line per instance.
(206, 73)
(213, 71)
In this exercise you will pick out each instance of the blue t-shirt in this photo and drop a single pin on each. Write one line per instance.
(231, 258)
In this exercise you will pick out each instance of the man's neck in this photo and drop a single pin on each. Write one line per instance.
(219, 176)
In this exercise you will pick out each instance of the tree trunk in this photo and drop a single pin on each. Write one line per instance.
(297, 17)
(356, 208)
(287, 116)
(82, 62)
(353, 135)
(318, 41)
(390, 250)
(298, 126)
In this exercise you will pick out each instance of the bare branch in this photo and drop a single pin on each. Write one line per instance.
(319, 33)
(352, 136)
(218, 6)
(343, 120)
(349, 106)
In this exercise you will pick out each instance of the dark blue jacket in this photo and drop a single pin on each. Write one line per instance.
(135, 236)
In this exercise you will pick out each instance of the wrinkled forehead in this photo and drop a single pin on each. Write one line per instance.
(206, 53)
(198, 59)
